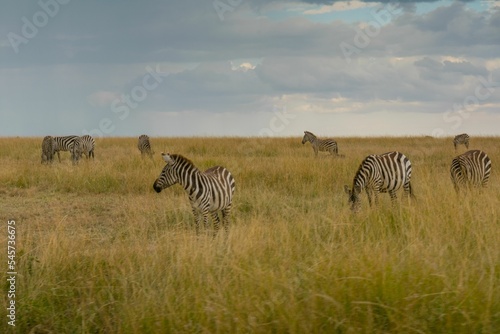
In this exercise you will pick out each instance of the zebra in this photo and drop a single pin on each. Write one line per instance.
(324, 145)
(462, 139)
(48, 147)
(209, 192)
(145, 146)
(470, 169)
(83, 145)
(380, 173)
(64, 144)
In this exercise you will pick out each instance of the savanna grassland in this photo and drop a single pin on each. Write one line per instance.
(98, 251)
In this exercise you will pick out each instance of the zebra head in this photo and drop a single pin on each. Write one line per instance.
(76, 151)
(353, 194)
(307, 137)
(168, 176)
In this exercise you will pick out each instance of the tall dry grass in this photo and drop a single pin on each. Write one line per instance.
(99, 251)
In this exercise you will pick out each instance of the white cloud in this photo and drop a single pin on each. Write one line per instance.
(243, 67)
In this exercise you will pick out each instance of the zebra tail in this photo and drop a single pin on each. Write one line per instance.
(412, 195)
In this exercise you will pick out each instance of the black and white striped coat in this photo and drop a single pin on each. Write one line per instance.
(83, 145)
(64, 143)
(209, 192)
(380, 173)
(471, 169)
(48, 149)
(144, 145)
(462, 139)
(323, 145)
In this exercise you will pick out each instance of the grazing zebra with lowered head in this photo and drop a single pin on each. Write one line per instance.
(471, 169)
(83, 145)
(323, 145)
(462, 139)
(209, 192)
(48, 147)
(145, 146)
(380, 173)
(64, 144)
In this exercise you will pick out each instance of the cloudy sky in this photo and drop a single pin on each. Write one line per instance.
(249, 68)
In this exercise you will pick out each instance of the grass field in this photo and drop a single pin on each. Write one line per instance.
(98, 251)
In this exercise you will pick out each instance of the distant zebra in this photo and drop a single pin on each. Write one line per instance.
(471, 169)
(83, 145)
(380, 173)
(145, 146)
(323, 145)
(462, 139)
(209, 192)
(48, 147)
(64, 144)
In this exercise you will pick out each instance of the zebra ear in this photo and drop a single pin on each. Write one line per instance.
(166, 157)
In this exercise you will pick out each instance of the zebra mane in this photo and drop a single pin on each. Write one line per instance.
(360, 168)
(310, 133)
(356, 176)
(179, 158)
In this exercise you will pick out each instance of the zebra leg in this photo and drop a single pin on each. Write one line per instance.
(205, 220)
(315, 148)
(203, 213)
(215, 218)
(455, 184)
(225, 219)
(392, 193)
(369, 195)
(408, 190)
(372, 193)
(58, 156)
(196, 220)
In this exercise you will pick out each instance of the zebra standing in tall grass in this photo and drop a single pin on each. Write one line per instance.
(145, 146)
(64, 143)
(324, 145)
(209, 192)
(462, 139)
(471, 169)
(48, 147)
(83, 145)
(380, 173)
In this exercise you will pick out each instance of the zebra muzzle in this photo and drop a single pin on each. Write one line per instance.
(156, 187)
